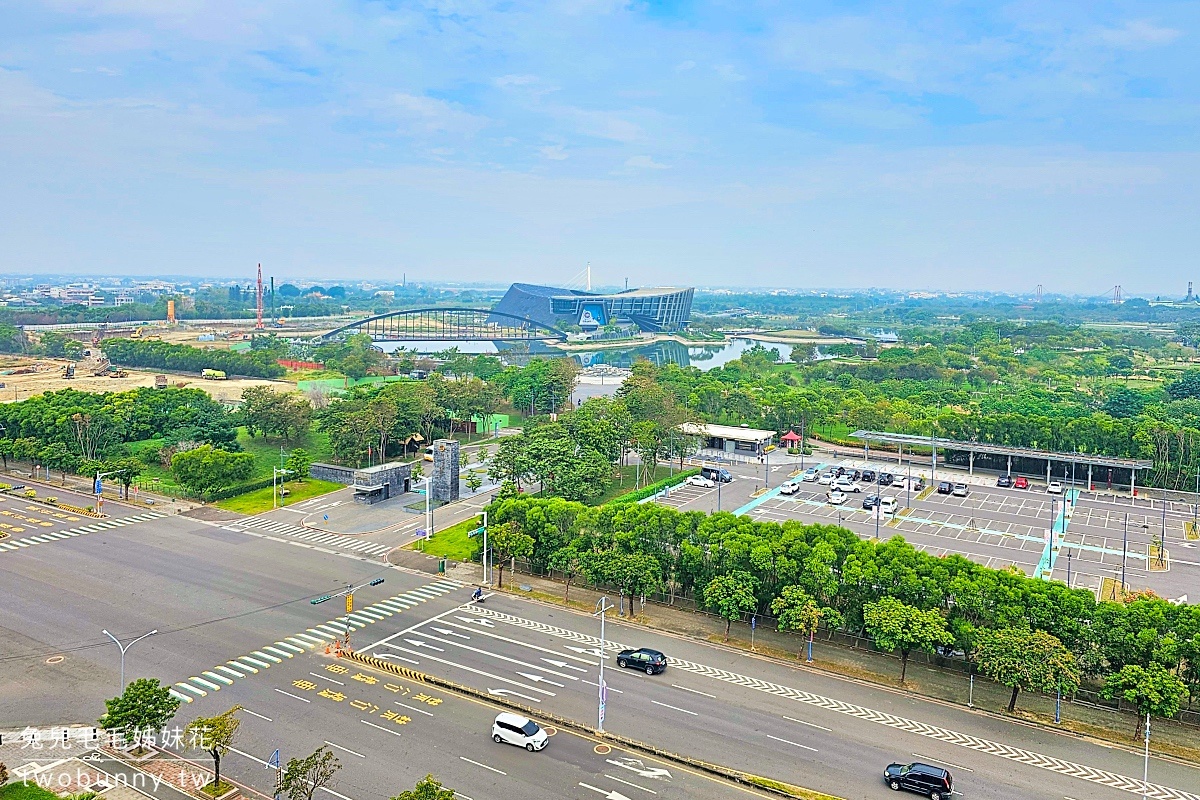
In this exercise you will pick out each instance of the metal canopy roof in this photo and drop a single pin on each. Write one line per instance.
(1001, 449)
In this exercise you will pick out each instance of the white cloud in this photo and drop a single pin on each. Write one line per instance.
(1137, 35)
(684, 66)
(554, 152)
(644, 162)
(603, 124)
(420, 115)
(728, 72)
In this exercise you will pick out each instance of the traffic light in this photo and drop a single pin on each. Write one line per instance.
(321, 599)
(375, 582)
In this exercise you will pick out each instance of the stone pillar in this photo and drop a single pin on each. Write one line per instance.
(445, 471)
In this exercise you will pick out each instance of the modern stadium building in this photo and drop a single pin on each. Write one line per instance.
(651, 310)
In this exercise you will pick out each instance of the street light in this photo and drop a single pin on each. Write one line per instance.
(602, 606)
(347, 593)
(1068, 568)
(124, 647)
(275, 473)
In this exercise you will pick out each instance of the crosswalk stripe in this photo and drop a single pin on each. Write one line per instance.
(423, 595)
(246, 667)
(255, 661)
(192, 689)
(330, 630)
(289, 646)
(178, 696)
(229, 671)
(306, 642)
(394, 604)
(219, 678)
(277, 651)
(375, 615)
(203, 682)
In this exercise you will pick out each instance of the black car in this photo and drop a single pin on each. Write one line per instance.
(945, 487)
(839, 472)
(854, 474)
(886, 479)
(870, 501)
(643, 658)
(933, 782)
(1004, 481)
(868, 476)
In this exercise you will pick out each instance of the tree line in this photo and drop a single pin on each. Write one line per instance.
(184, 358)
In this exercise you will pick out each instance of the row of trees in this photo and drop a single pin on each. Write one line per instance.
(185, 358)
(901, 597)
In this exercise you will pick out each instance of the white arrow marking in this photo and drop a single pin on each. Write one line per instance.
(487, 623)
(635, 765)
(607, 794)
(594, 651)
(419, 643)
(448, 632)
(563, 665)
(511, 693)
(540, 679)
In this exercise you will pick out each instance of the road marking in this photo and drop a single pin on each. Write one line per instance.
(943, 762)
(347, 749)
(413, 708)
(485, 766)
(253, 714)
(675, 708)
(793, 744)
(472, 669)
(326, 677)
(693, 691)
(380, 727)
(400, 658)
(511, 693)
(409, 629)
(607, 794)
(294, 697)
(627, 783)
(809, 724)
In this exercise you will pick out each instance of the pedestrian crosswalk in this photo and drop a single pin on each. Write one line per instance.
(289, 647)
(312, 536)
(9, 545)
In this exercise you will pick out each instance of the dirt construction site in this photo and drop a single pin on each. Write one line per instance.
(22, 377)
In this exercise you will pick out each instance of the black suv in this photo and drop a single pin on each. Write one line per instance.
(886, 479)
(868, 476)
(854, 474)
(870, 501)
(933, 782)
(1004, 481)
(643, 658)
(945, 487)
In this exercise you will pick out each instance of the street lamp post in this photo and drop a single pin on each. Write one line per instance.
(1068, 568)
(124, 647)
(347, 593)
(1124, 550)
(275, 473)
(1146, 760)
(601, 607)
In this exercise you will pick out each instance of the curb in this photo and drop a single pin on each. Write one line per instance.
(741, 778)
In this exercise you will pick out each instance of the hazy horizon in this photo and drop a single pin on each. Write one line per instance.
(934, 147)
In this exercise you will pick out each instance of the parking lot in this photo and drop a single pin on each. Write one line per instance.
(1098, 538)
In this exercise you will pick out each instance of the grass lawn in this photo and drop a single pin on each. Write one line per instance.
(25, 791)
(625, 483)
(454, 543)
(259, 500)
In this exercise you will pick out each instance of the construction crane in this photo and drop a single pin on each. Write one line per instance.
(258, 325)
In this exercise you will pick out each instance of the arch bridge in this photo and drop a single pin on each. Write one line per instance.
(447, 324)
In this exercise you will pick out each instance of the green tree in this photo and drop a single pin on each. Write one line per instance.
(473, 481)
(215, 736)
(144, 706)
(127, 468)
(1184, 387)
(796, 610)
(298, 463)
(1027, 660)
(206, 468)
(508, 541)
(57, 455)
(893, 625)
(428, 788)
(303, 777)
(1152, 690)
(1124, 403)
(569, 561)
(731, 596)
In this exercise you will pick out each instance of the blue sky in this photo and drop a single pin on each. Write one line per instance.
(923, 145)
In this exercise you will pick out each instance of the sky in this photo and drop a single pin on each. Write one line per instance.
(932, 145)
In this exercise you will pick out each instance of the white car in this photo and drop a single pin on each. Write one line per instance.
(844, 484)
(836, 498)
(809, 475)
(887, 505)
(826, 479)
(1054, 487)
(518, 730)
(790, 487)
(701, 481)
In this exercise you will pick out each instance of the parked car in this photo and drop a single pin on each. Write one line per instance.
(1020, 482)
(886, 478)
(868, 476)
(854, 474)
(839, 472)
(701, 481)
(826, 479)
(836, 498)
(518, 730)
(935, 783)
(844, 484)
(650, 661)
(870, 501)
(810, 474)
(887, 505)
(961, 490)
(945, 487)
(716, 474)
(790, 487)
(1004, 481)
(1054, 487)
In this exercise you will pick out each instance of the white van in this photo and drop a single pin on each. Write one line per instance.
(518, 730)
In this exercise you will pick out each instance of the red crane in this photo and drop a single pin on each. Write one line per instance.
(258, 293)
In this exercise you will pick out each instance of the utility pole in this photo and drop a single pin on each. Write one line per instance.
(347, 593)
(601, 608)
(258, 304)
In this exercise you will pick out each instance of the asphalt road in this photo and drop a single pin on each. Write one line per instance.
(993, 526)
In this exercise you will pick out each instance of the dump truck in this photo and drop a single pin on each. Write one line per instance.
(212, 375)
(160, 381)
(69, 371)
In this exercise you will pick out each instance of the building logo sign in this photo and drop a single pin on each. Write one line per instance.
(592, 316)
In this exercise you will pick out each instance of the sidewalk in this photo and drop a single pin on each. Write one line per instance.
(925, 678)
